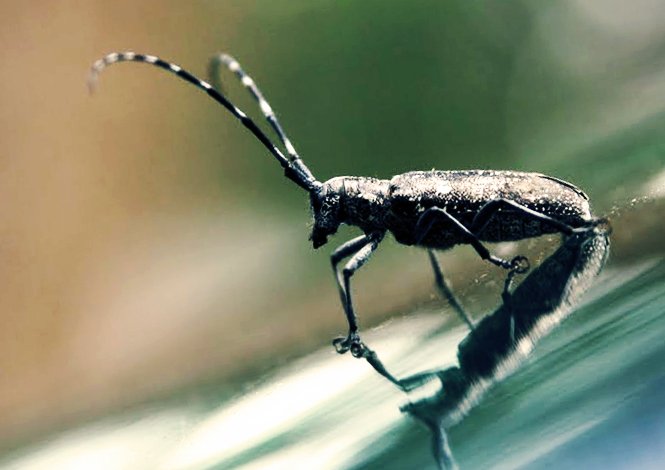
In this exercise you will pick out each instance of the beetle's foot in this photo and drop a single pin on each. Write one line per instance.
(519, 264)
(350, 343)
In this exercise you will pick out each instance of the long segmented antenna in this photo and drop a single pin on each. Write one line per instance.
(293, 171)
(234, 66)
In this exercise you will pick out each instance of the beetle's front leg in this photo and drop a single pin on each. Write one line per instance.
(344, 251)
(361, 248)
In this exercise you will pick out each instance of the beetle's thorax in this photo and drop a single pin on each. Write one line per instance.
(351, 200)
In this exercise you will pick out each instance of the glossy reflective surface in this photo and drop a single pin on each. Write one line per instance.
(590, 396)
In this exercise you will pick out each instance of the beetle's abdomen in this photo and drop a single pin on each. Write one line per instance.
(464, 193)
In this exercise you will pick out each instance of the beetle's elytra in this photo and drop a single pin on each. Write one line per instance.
(432, 209)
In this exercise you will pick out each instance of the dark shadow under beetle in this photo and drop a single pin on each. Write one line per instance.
(501, 340)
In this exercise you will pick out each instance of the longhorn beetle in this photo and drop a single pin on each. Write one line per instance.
(435, 210)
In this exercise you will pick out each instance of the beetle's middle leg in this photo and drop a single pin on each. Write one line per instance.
(426, 221)
(360, 249)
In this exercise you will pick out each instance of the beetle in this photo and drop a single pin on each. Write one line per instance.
(435, 210)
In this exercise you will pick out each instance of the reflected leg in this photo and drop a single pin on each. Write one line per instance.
(407, 384)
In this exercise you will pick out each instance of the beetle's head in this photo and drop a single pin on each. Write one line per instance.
(326, 201)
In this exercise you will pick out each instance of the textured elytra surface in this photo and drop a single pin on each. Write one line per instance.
(397, 204)
(464, 193)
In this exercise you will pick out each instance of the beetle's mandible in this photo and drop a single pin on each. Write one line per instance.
(431, 209)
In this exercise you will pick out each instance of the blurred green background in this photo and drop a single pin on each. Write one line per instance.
(151, 248)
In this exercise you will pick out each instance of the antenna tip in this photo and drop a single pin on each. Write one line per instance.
(93, 75)
(91, 82)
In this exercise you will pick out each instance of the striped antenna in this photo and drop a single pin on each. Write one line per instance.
(296, 172)
(234, 66)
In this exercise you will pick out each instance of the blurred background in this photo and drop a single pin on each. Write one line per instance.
(152, 251)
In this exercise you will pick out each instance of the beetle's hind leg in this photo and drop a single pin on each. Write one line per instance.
(360, 249)
(486, 212)
(446, 291)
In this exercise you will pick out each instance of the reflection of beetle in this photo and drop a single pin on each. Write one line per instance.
(432, 209)
(489, 353)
